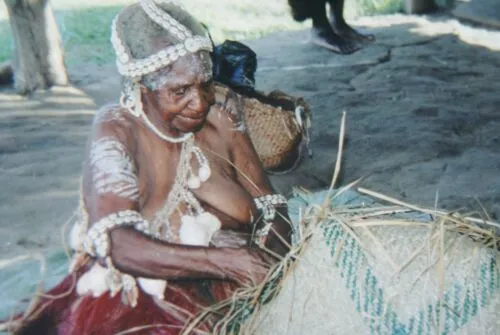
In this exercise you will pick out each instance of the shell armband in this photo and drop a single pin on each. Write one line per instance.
(97, 241)
(267, 204)
(100, 279)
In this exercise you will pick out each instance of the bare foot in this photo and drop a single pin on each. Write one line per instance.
(350, 33)
(327, 38)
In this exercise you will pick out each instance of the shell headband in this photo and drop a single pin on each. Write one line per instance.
(136, 68)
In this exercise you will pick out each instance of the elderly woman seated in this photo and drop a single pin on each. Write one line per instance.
(174, 197)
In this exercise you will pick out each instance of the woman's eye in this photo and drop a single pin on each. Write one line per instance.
(208, 84)
(180, 92)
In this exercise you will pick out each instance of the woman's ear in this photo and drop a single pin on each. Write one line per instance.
(144, 90)
(145, 93)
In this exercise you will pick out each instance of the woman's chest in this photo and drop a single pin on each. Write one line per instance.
(170, 170)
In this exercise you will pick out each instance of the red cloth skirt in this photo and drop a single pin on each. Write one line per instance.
(62, 311)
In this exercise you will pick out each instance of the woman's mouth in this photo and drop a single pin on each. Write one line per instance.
(196, 118)
(190, 122)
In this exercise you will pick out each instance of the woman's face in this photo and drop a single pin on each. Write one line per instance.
(183, 92)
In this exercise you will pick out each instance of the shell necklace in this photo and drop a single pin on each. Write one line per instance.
(197, 225)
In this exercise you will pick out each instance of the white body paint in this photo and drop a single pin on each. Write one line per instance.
(108, 113)
(113, 171)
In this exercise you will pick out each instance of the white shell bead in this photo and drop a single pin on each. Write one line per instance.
(93, 281)
(153, 287)
(204, 173)
(188, 219)
(209, 221)
(194, 182)
(190, 45)
(191, 232)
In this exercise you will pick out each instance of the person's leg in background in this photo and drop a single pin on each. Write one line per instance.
(332, 33)
(340, 26)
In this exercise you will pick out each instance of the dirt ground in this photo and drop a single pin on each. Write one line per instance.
(422, 107)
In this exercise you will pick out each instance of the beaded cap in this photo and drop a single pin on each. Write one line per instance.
(136, 68)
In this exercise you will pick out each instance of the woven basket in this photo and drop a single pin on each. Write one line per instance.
(276, 133)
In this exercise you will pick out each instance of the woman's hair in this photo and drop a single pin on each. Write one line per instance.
(143, 37)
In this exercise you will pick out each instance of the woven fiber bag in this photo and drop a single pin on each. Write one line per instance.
(378, 272)
(277, 133)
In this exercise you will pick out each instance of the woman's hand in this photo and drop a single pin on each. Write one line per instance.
(248, 267)
(279, 238)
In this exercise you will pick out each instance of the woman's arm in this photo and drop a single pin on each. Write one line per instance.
(111, 185)
(140, 256)
(253, 178)
(252, 175)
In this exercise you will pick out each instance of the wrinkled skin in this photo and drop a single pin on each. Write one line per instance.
(185, 103)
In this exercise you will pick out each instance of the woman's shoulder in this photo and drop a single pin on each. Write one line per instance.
(110, 113)
(114, 122)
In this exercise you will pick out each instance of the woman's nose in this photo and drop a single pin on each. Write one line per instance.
(199, 101)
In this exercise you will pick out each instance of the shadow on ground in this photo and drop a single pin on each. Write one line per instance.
(422, 122)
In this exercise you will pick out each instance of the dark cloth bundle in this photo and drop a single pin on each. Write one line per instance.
(235, 65)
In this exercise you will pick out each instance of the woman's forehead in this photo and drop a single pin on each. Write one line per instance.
(195, 64)
(186, 70)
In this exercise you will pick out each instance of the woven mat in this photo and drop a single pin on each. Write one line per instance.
(340, 288)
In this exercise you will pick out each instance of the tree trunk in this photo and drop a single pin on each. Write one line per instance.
(38, 59)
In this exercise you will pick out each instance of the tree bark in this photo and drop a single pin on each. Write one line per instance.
(38, 58)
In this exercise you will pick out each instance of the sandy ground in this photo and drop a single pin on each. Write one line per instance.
(422, 109)
(479, 11)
